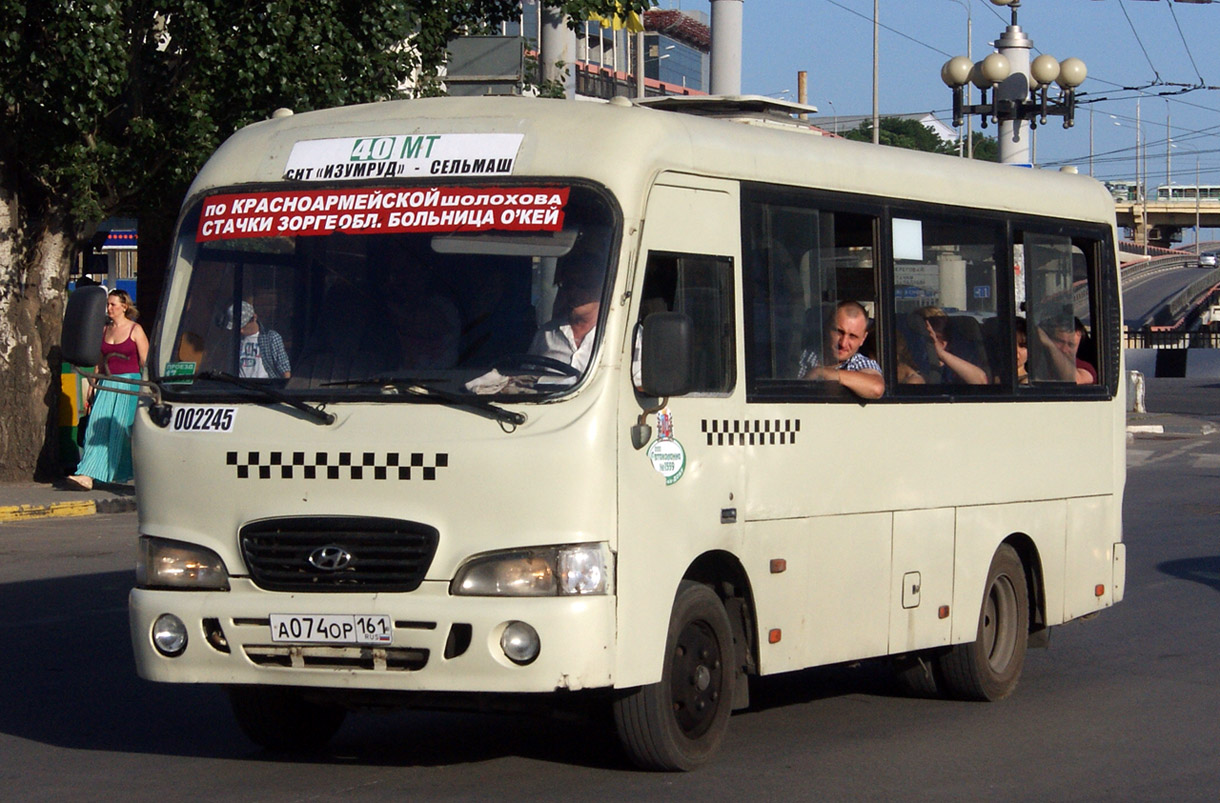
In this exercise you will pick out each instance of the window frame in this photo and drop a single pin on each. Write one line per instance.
(728, 306)
(754, 195)
(1103, 288)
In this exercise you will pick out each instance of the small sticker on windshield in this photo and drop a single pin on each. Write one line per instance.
(178, 369)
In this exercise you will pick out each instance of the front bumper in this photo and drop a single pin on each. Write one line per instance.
(441, 642)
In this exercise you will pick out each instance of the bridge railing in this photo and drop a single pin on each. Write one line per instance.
(1150, 339)
(1187, 296)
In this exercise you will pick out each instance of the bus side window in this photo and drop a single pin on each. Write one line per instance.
(701, 287)
(947, 301)
(1056, 286)
(803, 257)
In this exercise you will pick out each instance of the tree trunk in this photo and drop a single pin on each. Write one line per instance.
(33, 280)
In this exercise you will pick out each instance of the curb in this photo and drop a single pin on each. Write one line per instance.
(85, 507)
(1171, 428)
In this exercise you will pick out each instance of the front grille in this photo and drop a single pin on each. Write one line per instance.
(349, 554)
(369, 659)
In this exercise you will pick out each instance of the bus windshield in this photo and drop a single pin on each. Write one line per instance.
(355, 292)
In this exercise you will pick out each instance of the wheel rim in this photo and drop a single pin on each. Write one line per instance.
(697, 675)
(999, 624)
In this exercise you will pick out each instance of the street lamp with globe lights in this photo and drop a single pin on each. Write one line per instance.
(1020, 91)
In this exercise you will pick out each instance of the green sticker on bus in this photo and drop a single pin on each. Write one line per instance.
(181, 369)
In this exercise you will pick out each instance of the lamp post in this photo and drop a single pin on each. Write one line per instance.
(1019, 88)
(835, 112)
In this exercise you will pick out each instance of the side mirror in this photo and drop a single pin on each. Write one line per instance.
(81, 340)
(666, 354)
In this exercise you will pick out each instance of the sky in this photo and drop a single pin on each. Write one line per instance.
(1144, 52)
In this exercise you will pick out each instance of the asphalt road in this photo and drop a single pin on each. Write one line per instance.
(1148, 293)
(1122, 707)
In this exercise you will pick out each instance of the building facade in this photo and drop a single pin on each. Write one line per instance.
(676, 47)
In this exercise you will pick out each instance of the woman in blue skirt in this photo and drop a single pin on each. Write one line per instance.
(107, 456)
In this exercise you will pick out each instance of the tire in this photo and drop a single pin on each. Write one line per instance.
(282, 719)
(678, 723)
(990, 666)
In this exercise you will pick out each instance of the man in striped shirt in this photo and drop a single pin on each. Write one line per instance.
(859, 374)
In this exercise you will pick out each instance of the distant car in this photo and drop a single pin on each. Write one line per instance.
(1207, 260)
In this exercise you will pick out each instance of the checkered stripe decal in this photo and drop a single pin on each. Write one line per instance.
(344, 465)
(771, 432)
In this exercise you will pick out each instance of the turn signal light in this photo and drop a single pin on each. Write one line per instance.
(1099, 590)
(775, 635)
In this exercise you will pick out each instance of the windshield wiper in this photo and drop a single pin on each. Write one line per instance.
(314, 412)
(420, 387)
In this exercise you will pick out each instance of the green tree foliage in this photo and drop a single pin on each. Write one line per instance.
(986, 149)
(902, 133)
(111, 106)
(911, 134)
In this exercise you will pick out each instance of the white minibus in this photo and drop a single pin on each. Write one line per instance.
(503, 400)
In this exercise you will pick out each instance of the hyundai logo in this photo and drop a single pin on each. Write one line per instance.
(330, 558)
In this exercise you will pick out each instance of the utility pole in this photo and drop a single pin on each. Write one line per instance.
(876, 63)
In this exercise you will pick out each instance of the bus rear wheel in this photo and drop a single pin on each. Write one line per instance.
(283, 719)
(989, 667)
(678, 723)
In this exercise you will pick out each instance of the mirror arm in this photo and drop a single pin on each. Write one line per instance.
(641, 433)
(159, 410)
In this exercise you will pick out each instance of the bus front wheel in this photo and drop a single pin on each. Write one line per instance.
(989, 667)
(678, 723)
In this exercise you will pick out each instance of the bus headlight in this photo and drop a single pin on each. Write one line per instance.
(536, 572)
(162, 563)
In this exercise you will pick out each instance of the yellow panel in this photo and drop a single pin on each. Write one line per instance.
(68, 411)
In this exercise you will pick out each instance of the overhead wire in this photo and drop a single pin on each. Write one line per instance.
(1139, 40)
(1185, 44)
(903, 34)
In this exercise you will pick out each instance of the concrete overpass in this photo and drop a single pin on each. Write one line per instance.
(1161, 223)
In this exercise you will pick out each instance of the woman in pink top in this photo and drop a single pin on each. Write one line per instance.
(107, 456)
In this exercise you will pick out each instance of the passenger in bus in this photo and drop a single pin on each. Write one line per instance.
(262, 354)
(955, 370)
(908, 374)
(1021, 335)
(844, 337)
(1060, 340)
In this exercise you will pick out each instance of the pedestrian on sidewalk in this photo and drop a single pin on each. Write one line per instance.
(107, 456)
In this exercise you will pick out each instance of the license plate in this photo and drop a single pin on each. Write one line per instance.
(331, 628)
